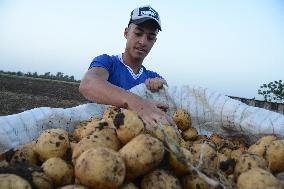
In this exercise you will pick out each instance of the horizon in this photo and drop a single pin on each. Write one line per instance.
(226, 46)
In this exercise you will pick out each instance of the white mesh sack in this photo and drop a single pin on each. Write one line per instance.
(211, 112)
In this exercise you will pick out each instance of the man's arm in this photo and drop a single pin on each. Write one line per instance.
(95, 87)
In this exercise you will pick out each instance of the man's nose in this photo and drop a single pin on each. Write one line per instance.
(143, 40)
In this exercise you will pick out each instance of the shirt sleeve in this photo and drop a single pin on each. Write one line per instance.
(103, 61)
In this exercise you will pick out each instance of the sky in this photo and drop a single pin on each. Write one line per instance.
(228, 46)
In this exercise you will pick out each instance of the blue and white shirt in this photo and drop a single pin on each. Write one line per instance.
(121, 74)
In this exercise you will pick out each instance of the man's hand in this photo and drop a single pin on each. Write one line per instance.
(150, 113)
(155, 84)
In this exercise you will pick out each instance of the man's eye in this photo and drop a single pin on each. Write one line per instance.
(138, 34)
(151, 38)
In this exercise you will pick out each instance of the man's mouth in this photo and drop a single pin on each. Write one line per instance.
(141, 50)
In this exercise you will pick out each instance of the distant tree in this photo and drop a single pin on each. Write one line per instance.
(20, 73)
(29, 74)
(35, 75)
(46, 75)
(72, 78)
(273, 91)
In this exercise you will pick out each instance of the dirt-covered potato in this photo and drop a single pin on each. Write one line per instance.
(193, 181)
(59, 171)
(103, 138)
(4, 163)
(52, 143)
(87, 128)
(190, 134)
(169, 130)
(100, 168)
(226, 151)
(202, 139)
(141, 155)
(258, 178)
(160, 179)
(25, 154)
(129, 185)
(235, 154)
(260, 146)
(248, 161)
(11, 181)
(110, 113)
(275, 156)
(128, 125)
(217, 139)
(280, 177)
(182, 119)
(178, 167)
(227, 166)
(42, 181)
(76, 186)
(185, 144)
(204, 155)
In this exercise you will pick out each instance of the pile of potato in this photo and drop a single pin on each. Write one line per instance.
(116, 151)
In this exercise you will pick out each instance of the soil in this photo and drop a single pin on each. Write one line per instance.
(18, 94)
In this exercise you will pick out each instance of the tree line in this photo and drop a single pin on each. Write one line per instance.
(272, 91)
(58, 76)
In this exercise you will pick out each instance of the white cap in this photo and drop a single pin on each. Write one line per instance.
(144, 13)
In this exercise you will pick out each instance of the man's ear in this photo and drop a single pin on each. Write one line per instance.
(126, 32)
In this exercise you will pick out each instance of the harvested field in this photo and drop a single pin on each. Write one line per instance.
(18, 94)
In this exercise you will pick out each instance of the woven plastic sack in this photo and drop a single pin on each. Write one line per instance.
(211, 112)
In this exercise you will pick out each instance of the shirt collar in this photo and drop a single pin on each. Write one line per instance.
(135, 76)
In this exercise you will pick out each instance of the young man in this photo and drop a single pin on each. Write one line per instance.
(109, 77)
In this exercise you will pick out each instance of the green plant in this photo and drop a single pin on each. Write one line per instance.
(273, 91)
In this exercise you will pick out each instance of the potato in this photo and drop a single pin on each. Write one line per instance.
(103, 138)
(193, 181)
(204, 155)
(73, 187)
(110, 114)
(141, 155)
(59, 171)
(160, 179)
(128, 185)
(235, 154)
(258, 178)
(25, 154)
(217, 139)
(202, 139)
(182, 119)
(4, 163)
(190, 134)
(185, 144)
(128, 125)
(280, 177)
(52, 143)
(169, 130)
(226, 151)
(42, 181)
(259, 147)
(275, 156)
(248, 161)
(11, 181)
(178, 167)
(100, 168)
(90, 127)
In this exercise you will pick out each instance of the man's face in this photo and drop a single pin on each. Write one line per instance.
(140, 39)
